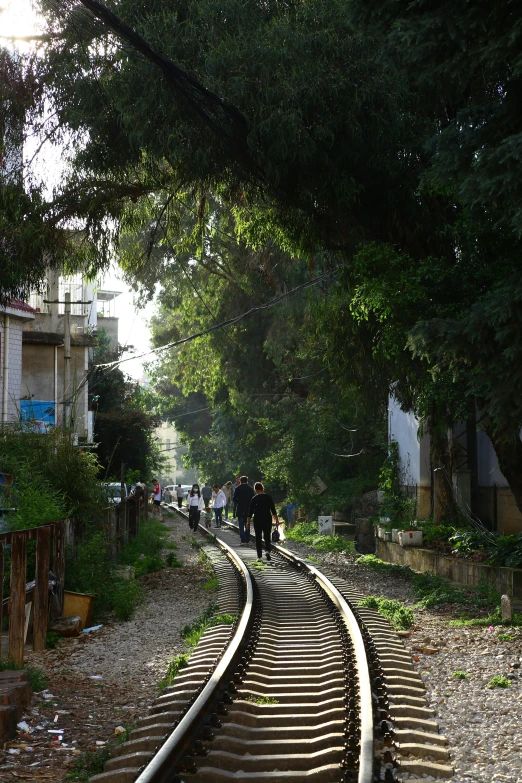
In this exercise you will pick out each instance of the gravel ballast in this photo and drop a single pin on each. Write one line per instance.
(482, 724)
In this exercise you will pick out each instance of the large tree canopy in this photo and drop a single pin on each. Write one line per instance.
(381, 141)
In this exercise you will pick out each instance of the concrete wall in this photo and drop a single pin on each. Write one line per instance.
(38, 379)
(110, 325)
(506, 580)
(15, 366)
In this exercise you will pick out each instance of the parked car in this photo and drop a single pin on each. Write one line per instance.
(114, 494)
(170, 492)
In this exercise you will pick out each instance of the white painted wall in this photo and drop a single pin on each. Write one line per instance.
(415, 459)
(488, 469)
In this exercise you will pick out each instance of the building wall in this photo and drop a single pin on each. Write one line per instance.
(38, 379)
(110, 325)
(15, 366)
(168, 441)
(497, 507)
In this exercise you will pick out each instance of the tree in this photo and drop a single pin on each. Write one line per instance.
(123, 428)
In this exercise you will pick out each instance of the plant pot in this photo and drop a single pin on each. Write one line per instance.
(410, 537)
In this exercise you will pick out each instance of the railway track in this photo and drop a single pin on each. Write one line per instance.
(294, 690)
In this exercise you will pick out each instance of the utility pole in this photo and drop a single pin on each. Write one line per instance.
(67, 360)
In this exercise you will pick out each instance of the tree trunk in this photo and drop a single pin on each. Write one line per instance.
(509, 456)
(444, 506)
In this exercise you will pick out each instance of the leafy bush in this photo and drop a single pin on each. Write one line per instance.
(506, 551)
(400, 616)
(125, 596)
(308, 533)
(88, 764)
(172, 561)
(144, 550)
(460, 675)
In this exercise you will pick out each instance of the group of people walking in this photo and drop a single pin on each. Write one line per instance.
(250, 504)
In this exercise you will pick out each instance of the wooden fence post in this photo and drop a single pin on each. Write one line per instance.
(41, 588)
(1, 594)
(17, 599)
(59, 560)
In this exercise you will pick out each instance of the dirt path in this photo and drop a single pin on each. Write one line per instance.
(105, 680)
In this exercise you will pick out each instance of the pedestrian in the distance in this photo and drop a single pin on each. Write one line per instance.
(227, 489)
(196, 506)
(156, 498)
(233, 495)
(262, 510)
(242, 496)
(180, 495)
(219, 502)
(207, 494)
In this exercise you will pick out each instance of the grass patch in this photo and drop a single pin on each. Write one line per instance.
(433, 590)
(174, 666)
(144, 550)
(259, 565)
(308, 533)
(376, 564)
(499, 681)
(505, 637)
(211, 584)
(494, 619)
(400, 616)
(460, 675)
(193, 632)
(88, 764)
(261, 700)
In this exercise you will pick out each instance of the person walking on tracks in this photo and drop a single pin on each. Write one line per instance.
(262, 510)
(242, 496)
(180, 495)
(219, 502)
(227, 489)
(196, 506)
(156, 499)
(233, 496)
(206, 492)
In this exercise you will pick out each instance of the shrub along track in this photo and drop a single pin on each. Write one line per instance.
(286, 694)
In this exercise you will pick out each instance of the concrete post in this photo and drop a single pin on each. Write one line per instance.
(67, 360)
(5, 379)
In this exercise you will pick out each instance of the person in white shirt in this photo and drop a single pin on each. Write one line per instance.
(196, 506)
(219, 502)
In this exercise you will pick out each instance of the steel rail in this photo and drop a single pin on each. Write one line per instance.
(163, 767)
(366, 756)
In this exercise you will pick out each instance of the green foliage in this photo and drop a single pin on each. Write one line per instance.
(144, 550)
(499, 681)
(91, 570)
(460, 675)
(193, 632)
(505, 637)
(52, 640)
(308, 533)
(174, 666)
(89, 764)
(171, 561)
(211, 585)
(493, 619)
(400, 616)
(261, 700)
(432, 590)
(376, 564)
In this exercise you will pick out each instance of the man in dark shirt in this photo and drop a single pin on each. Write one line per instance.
(262, 510)
(242, 496)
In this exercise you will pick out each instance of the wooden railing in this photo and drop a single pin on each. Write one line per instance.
(123, 520)
(50, 540)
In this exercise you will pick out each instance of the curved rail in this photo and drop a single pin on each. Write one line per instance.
(162, 768)
(366, 756)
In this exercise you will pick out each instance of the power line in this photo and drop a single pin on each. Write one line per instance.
(229, 322)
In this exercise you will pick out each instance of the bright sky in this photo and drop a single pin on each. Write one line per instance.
(18, 18)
